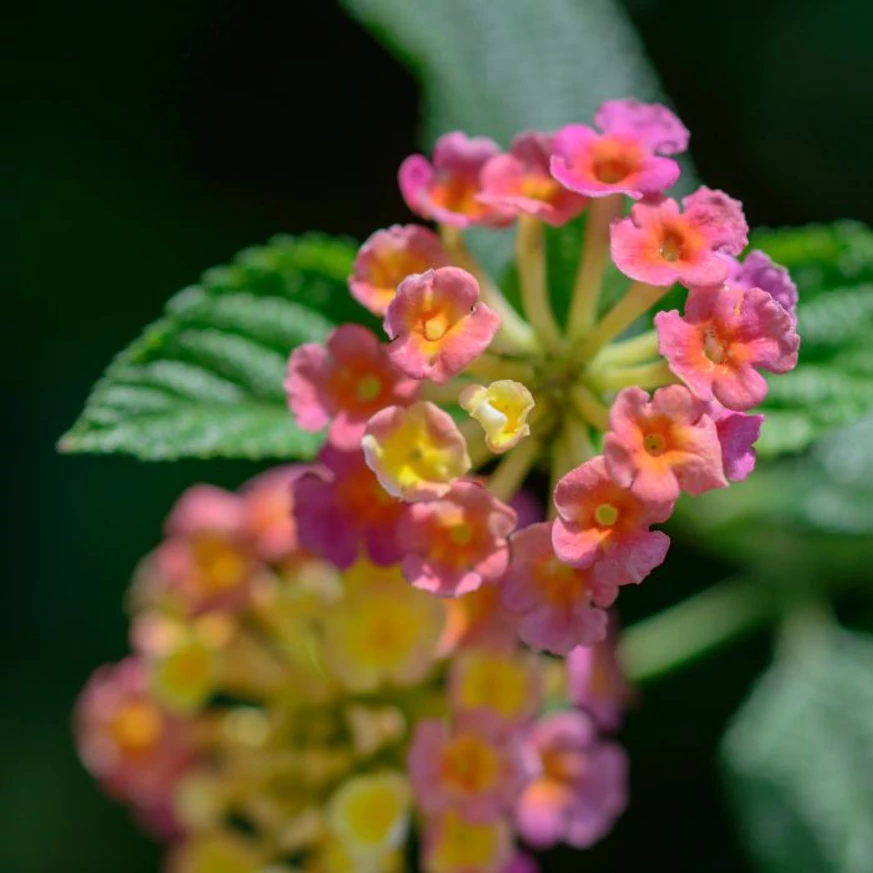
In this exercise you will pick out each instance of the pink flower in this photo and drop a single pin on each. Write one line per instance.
(268, 516)
(136, 749)
(624, 158)
(596, 682)
(737, 433)
(660, 445)
(447, 190)
(473, 768)
(453, 544)
(758, 271)
(388, 257)
(659, 245)
(344, 383)
(582, 789)
(522, 863)
(604, 524)
(520, 182)
(556, 604)
(724, 337)
(341, 510)
(479, 619)
(437, 324)
(207, 561)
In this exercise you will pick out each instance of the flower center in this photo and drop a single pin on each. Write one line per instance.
(672, 246)
(369, 388)
(713, 349)
(655, 444)
(434, 328)
(612, 170)
(137, 726)
(461, 534)
(606, 515)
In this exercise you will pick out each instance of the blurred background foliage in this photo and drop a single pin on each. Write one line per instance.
(146, 141)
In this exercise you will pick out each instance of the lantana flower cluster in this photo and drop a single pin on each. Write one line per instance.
(281, 712)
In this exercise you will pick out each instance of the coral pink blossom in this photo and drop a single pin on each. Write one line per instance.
(758, 271)
(447, 190)
(416, 452)
(582, 788)
(437, 324)
(520, 182)
(522, 863)
(388, 257)
(737, 433)
(453, 544)
(207, 561)
(479, 619)
(603, 524)
(343, 383)
(342, 511)
(660, 445)
(556, 604)
(659, 245)
(625, 157)
(596, 683)
(136, 749)
(268, 517)
(724, 337)
(474, 767)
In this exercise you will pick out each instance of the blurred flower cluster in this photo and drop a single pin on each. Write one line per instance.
(313, 684)
(282, 713)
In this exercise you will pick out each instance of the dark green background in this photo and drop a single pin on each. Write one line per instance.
(144, 142)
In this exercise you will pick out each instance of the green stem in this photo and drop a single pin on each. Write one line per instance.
(491, 367)
(446, 393)
(511, 472)
(630, 351)
(589, 407)
(530, 255)
(684, 632)
(650, 375)
(638, 299)
(595, 257)
(515, 333)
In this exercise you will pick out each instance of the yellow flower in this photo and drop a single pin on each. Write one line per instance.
(502, 409)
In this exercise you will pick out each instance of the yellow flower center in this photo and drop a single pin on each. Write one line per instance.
(606, 515)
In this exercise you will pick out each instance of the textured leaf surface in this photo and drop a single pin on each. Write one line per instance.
(799, 755)
(833, 384)
(206, 379)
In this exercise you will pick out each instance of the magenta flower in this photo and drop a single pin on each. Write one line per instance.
(520, 182)
(625, 157)
(128, 742)
(758, 271)
(724, 337)
(556, 605)
(605, 525)
(596, 682)
(447, 190)
(437, 324)
(454, 544)
(388, 257)
(658, 245)
(342, 511)
(737, 432)
(473, 767)
(344, 383)
(660, 445)
(268, 516)
(582, 789)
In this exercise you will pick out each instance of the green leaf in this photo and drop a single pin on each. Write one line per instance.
(832, 385)
(799, 754)
(206, 379)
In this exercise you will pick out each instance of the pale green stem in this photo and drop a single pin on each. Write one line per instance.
(474, 436)
(490, 368)
(515, 333)
(590, 407)
(651, 375)
(684, 632)
(561, 463)
(530, 255)
(630, 351)
(578, 441)
(512, 470)
(638, 300)
(446, 393)
(595, 257)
